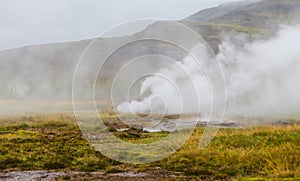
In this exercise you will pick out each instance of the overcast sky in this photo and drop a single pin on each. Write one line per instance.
(28, 22)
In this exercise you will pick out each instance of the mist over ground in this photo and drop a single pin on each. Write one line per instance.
(259, 63)
(262, 78)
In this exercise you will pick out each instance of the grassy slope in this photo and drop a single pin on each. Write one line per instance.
(213, 33)
(260, 19)
(55, 142)
(266, 14)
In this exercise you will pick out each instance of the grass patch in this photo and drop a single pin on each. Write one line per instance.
(55, 142)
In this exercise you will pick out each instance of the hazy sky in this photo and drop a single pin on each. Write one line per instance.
(27, 22)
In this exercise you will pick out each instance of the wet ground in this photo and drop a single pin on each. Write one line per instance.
(171, 125)
(156, 174)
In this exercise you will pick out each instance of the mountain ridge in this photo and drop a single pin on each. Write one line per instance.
(52, 65)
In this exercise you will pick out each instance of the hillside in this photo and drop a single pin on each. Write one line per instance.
(257, 18)
(45, 71)
(266, 14)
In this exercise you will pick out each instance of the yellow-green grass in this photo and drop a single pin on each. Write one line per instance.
(34, 142)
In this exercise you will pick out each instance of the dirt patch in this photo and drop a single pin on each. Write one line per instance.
(155, 174)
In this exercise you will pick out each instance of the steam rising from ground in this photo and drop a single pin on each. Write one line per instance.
(262, 78)
(174, 89)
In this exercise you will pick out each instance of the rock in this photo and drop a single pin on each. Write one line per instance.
(222, 124)
(135, 131)
(282, 122)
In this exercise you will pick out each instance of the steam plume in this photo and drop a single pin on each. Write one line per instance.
(262, 78)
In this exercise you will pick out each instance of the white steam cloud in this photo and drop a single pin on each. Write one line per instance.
(174, 89)
(262, 78)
